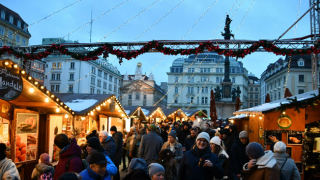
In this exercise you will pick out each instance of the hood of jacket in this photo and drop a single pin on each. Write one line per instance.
(109, 139)
(73, 149)
(43, 168)
(280, 156)
(138, 163)
(266, 161)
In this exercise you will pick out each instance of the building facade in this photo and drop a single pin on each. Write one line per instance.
(66, 75)
(13, 31)
(202, 73)
(253, 91)
(141, 90)
(274, 79)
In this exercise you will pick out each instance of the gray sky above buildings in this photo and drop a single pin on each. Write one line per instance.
(267, 19)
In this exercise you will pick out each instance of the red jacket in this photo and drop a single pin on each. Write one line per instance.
(75, 163)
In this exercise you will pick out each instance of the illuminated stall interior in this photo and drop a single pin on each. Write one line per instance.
(135, 113)
(175, 114)
(241, 121)
(157, 115)
(193, 114)
(25, 108)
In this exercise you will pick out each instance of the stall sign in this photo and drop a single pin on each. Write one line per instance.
(11, 84)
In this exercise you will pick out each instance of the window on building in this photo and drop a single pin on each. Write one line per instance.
(92, 90)
(130, 97)
(53, 76)
(256, 104)
(251, 96)
(9, 44)
(271, 97)
(190, 79)
(10, 34)
(217, 79)
(137, 95)
(98, 91)
(256, 89)
(54, 65)
(192, 90)
(301, 63)
(57, 88)
(115, 80)
(275, 96)
(24, 41)
(72, 65)
(1, 43)
(99, 83)
(279, 95)
(176, 79)
(110, 87)
(1, 30)
(59, 65)
(99, 73)
(301, 78)
(71, 77)
(58, 76)
(104, 92)
(220, 79)
(3, 14)
(105, 76)
(144, 97)
(301, 91)
(19, 24)
(189, 89)
(204, 100)
(251, 104)
(176, 101)
(52, 88)
(18, 38)
(284, 79)
(203, 79)
(251, 88)
(25, 27)
(93, 70)
(104, 85)
(176, 90)
(93, 80)
(256, 96)
(115, 89)
(278, 82)
(11, 19)
(110, 78)
(234, 80)
(70, 88)
(190, 100)
(201, 70)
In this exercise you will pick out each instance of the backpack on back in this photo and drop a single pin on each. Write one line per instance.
(46, 176)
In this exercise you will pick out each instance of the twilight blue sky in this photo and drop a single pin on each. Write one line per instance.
(267, 19)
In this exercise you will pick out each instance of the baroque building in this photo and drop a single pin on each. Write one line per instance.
(253, 91)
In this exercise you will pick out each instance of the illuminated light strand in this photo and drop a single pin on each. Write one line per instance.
(159, 20)
(43, 18)
(187, 81)
(285, 84)
(199, 19)
(56, 68)
(119, 27)
(204, 83)
(107, 12)
(245, 16)
(295, 29)
(223, 20)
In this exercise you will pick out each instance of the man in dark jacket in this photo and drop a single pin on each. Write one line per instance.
(108, 144)
(67, 150)
(138, 170)
(183, 134)
(190, 140)
(150, 145)
(118, 139)
(233, 137)
(177, 127)
(238, 156)
(200, 163)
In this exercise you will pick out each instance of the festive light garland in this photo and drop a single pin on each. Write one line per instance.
(245, 16)
(108, 48)
(285, 84)
(119, 27)
(295, 29)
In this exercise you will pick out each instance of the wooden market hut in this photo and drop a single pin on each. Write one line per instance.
(153, 113)
(288, 120)
(135, 115)
(175, 114)
(95, 112)
(193, 114)
(241, 121)
(26, 106)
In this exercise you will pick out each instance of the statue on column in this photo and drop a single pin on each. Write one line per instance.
(217, 93)
(227, 33)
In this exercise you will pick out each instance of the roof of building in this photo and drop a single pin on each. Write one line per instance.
(15, 16)
(167, 112)
(148, 110)
(131, 77)
(191, 112)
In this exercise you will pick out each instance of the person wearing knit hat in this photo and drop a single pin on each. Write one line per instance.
(216, 146)
(43, 167)
(173, 145)
(94, 146)
(184, 132)
(289, 169)
(156, 171)
(152, 127)
(97, 168)
(166, 159)
(200, 162)
(262, 164)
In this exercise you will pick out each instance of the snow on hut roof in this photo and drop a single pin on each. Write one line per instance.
(238, 117)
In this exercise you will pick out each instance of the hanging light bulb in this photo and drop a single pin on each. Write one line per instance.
(46, 100)
(6, 63)
(31, 90)
(66, 116)
(36, 83)
(91, 112)
(260, 117)
(98, 108)
(83, 118)
(57, 110)
(29, 77)
(254, 115)
(15, 66)
(283, 112)
(42, 87)
(23, 72)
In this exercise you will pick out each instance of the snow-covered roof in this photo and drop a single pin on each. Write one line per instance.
(127, 111)
(145, 111)
(275, 104)
(81, 104)
(238, 117)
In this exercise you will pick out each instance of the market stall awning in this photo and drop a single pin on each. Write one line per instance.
(238, 117)
(194, 112)
(89, 104)
(134, 111)
(34, 96)
(276, 104)
(174, 112)
(148, 110)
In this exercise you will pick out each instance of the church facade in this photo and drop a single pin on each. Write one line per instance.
(141, 90)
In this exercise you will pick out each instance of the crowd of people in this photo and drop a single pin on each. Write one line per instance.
(166, 150)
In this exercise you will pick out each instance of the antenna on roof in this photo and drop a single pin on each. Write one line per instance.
(91, 26)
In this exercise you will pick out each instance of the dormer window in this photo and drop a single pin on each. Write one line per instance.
(19, 24)
(25, 27)
(3, 14)
(301, 62)
(11, 19)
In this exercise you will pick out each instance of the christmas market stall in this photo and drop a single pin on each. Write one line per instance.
(94, 112)
(194, 114)
(153, 113)
(25, 108)
(175, 114)
(136, 116)
(295, 121)
(241, 121)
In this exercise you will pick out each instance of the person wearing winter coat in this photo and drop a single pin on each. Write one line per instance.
(166, 159)
(108, 144)
(238, 155)
(175, 147)
(216, 148)
(200, 162)
(43, 167)
(118, 140)
(127, 146)
(164, 133)
(70, 176)
(156, 171)
(150, 145)
(190, 140)
(262, 166)
(97, 167)
(137, 170)
(289, 169)
(8, 169)
(67, 150)
(233, 137)
(136, 143)
(184, 133)
(95, 146)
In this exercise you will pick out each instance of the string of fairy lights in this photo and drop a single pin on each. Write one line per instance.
(204, 84)
(47, 17)
(245, 16)
(199, 19)
(159, 20)
(133, 17)
(296, 26)
(105, 13)
(288, 71)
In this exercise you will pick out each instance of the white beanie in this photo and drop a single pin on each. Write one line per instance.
(216, 140)
(243, 134)
(280, 147)
(204, 135)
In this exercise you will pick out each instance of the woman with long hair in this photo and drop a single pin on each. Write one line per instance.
(8, 169)
(166, 159)
(216, 146)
